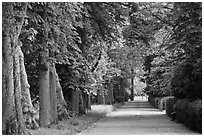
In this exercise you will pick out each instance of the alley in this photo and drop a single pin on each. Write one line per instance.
(137, 118)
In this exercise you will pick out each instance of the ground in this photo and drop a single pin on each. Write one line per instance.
(137, 117)
(132, 118)
(76, 125)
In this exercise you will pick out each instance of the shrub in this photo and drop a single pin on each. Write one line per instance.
(151, 100)
(187, 112)
(156, 102)
(162, 102)
(181, 110)
(120, 99)
(170, 102)
(193, 115)
(196, 109)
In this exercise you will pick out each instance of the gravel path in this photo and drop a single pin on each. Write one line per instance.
(137, 118)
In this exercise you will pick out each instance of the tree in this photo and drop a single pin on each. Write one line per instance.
(187, 42)
(13, 69)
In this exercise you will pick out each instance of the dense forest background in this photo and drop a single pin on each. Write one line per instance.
(58, 58)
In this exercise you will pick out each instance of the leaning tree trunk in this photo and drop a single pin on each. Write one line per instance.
(17, 92)
(53, 96)
(25, 92)
(31, 116)
(60, 97)
(61, 103)
(12, 115)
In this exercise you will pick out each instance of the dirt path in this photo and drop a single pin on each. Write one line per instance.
(134, 118)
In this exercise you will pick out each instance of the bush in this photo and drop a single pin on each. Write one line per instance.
(119, 99)
(170, 102)
(181, 109)
(151, 100)
(187, 112)
(190, 113)
(156, 102)
(162, 103)
(194, 115)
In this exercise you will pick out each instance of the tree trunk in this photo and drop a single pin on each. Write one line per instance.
(31, 116)
(132, 83)
(82, 102)
(60, 97)
(47, 80)
(12, 115)
(8, 103)
(17, 91)
(61, 103)
(100, 97)
(75, 102)
(53, 96)
(44, 90)
(89, 101)
(26, 99)
(109, 94)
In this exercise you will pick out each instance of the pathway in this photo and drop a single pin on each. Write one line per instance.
(135, 118)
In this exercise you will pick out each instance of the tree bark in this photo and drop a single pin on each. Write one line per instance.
(25, 92)
(17, 91)
(8, 103)
(109, 94)
(82, 103)
(12, 115)
(100, 97)
(31, 116)
(44, 90)
(61, 103)
(75, 102)
(132, 83)
(53, 96)
(89, 101)
(60, 97)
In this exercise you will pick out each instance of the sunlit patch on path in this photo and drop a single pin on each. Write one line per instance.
(137, 117)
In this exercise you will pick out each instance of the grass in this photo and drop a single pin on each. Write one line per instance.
(76, 125)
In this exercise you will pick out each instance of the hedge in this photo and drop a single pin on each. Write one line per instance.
(159, 102)
(162, 102)
(151, 100)
(187, 112)
(181, 108)
(170, 102)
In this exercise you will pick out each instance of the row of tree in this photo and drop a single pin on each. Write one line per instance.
(175, 65)
(75, 54)
(62, 50)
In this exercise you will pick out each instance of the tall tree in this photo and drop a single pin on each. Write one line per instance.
(13, 19)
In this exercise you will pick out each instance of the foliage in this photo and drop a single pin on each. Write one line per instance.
(184, 83)
(162, 103)
(174, 67)
(170, 102)
(187, 39)
(189, 113)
